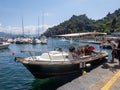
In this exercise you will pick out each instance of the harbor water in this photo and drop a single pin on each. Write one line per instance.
(14, 76)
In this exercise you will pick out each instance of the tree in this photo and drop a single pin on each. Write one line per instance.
(113, 24)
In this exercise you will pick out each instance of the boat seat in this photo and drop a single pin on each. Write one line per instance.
(45, 56)
(70, 57)
(50, 56)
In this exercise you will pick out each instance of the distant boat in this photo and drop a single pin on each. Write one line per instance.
(91, 41)
(19, 40)
(63, 39)
(35, 41)
(106, 46)
(4, 45)
(43, 40)
(10, 40)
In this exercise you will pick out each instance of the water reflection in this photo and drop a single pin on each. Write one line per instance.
(54, 82)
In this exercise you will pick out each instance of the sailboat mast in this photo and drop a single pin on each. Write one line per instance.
(42, 20)
(38, 27)
(22, 27)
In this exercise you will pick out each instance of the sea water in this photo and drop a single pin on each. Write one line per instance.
(14, 76)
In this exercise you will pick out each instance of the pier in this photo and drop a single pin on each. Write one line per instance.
(104, 77)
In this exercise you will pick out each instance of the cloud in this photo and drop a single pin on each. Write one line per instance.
(29, 30)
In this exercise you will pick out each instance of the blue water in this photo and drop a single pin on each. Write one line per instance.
(14, 76)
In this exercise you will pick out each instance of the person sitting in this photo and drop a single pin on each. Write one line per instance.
(79, 51)
(88, 49)
(60, 49)
(72, 51)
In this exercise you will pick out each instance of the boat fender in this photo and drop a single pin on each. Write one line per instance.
(88, 65)
(83, 72)
(106, 57)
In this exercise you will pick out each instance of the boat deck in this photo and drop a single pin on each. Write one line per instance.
(76, 60)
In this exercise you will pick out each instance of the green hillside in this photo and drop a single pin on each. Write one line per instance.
(109, 24)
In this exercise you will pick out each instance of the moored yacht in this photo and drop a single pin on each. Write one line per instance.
(4, 45)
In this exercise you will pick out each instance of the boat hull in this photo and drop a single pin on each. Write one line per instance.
(50, 70)
(4, 46)
(19, 42)
(44, 69)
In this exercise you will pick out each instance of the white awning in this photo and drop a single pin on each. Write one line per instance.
(81, 34)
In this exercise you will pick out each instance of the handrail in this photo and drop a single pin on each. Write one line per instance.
(63, 56)
(50, 57)
(31, 55)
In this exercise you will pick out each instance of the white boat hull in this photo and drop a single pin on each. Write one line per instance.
(4, 45)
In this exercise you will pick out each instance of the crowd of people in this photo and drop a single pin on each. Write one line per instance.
(81, 50)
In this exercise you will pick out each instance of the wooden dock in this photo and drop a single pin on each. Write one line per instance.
(104, 77)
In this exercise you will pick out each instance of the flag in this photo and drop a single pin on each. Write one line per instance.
(13, 53)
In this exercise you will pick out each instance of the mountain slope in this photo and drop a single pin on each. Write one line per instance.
(110, 23)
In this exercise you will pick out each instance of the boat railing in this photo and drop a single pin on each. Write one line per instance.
(33, 57)
(50, 57)
(63, 56)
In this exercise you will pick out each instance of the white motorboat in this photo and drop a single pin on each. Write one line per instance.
(56, 63)
(59, 62)
(4, 45)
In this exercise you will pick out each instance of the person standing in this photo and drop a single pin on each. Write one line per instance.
(113, 45)
(118, 51)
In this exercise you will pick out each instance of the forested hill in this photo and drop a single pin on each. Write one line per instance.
(110, 23)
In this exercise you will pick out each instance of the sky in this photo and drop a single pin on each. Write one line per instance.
(50, 13)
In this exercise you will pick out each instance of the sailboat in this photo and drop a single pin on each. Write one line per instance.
(43, 38)
(19, 40)
(36, 40)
